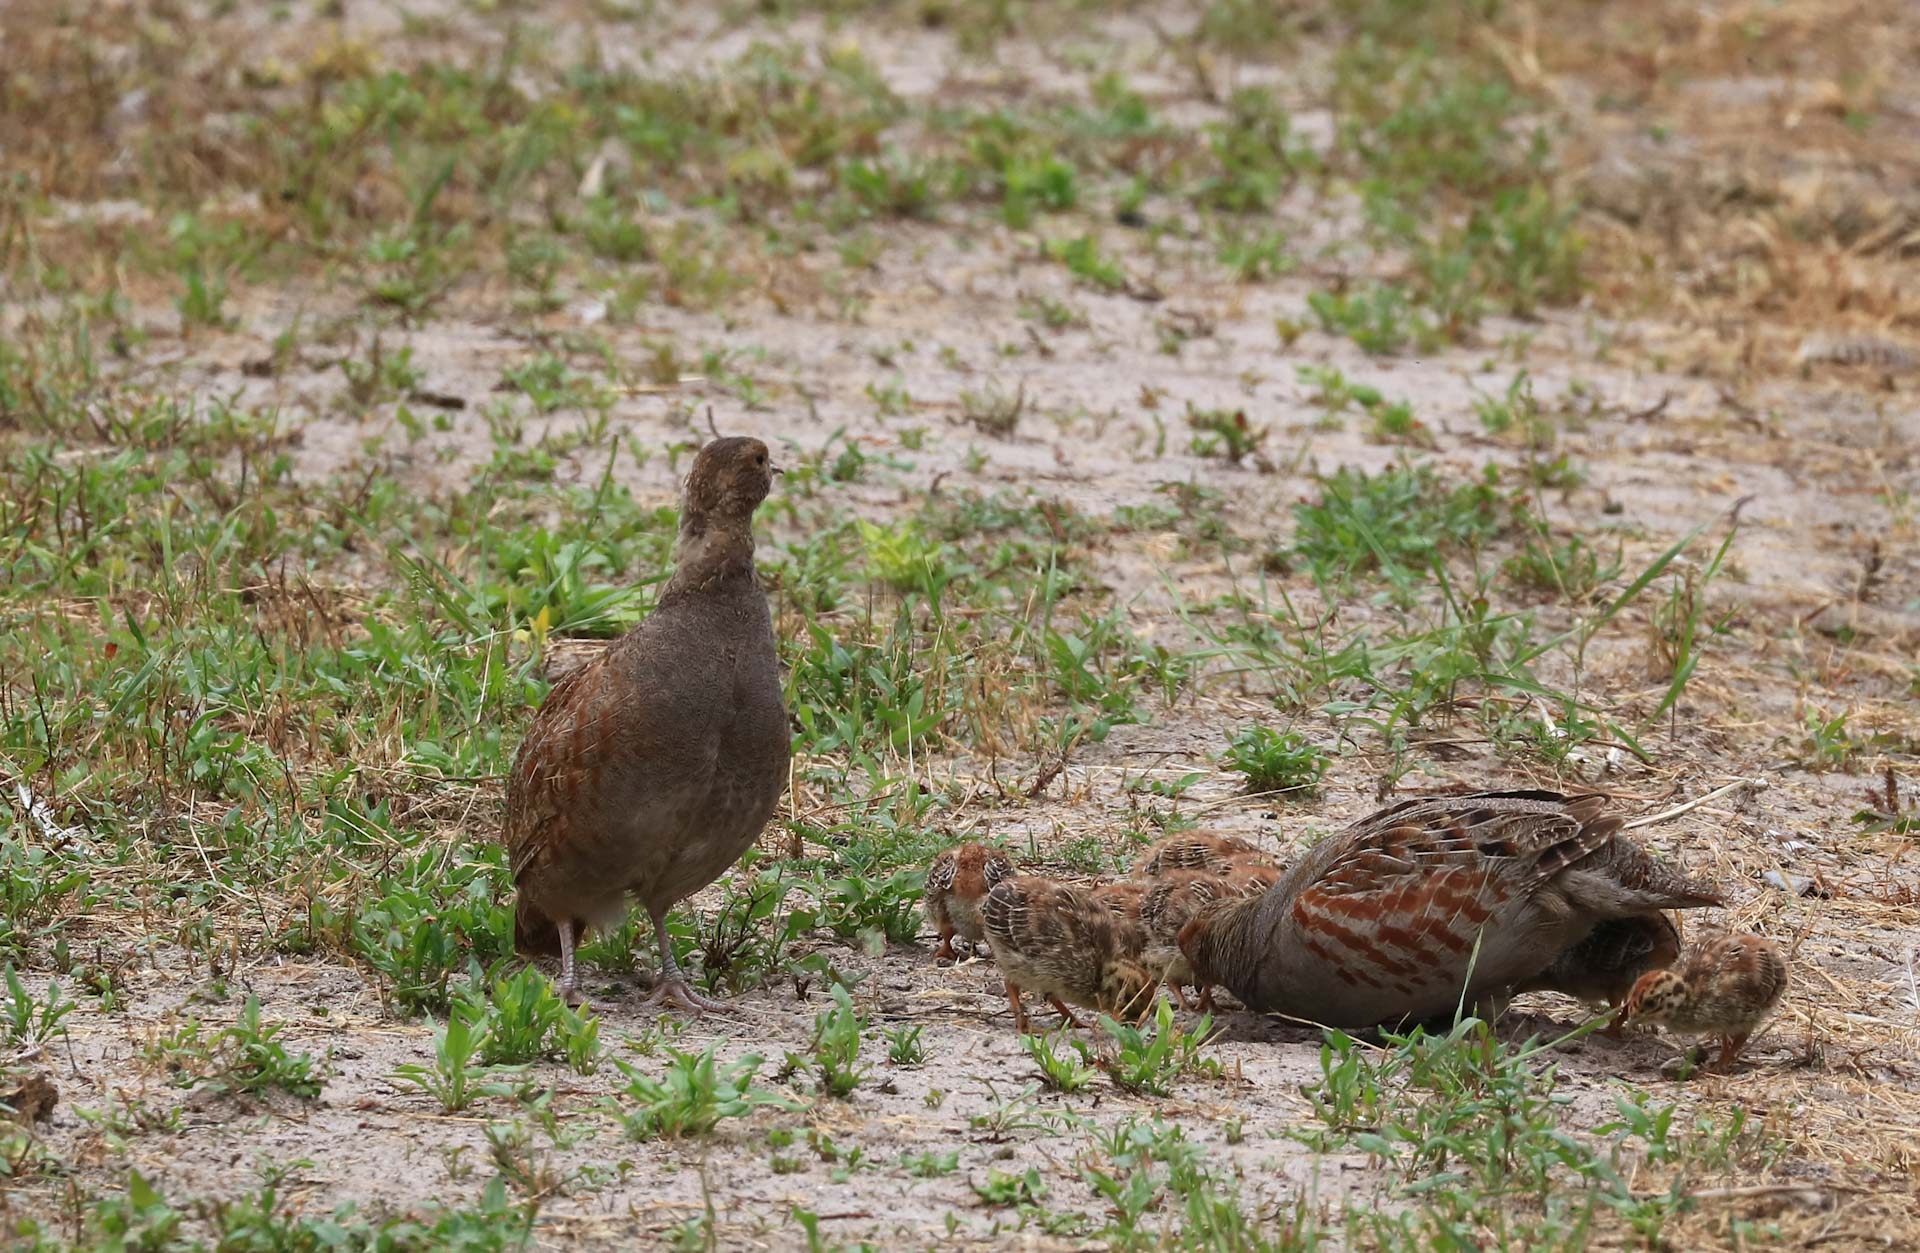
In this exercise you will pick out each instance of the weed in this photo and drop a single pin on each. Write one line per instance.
(1380, 319)
(1004, 1188)
(455, 1079)
(692, 1097)
(1275, 761)
(522, 1019)
(993, 411)
(1148, 1060)
(836, 1046)
(1062, 1070)
(904, 1047)
(930, 1164)
(246, 1058)
(1219, 433)
(1082, 256)
(30, 1020)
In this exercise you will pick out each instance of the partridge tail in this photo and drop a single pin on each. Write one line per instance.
(1650, 883)
(534, 934)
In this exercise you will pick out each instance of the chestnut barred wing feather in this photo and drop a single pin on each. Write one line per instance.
(568, 744)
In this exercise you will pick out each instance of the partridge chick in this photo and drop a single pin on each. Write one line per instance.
(1249, 877)
(650, 770)
(1397, 916)
(1057, 940)
(1725, 987)
(1169, 905)
(1123, 899)
(1606, 965)
(1196, 850)
(957, 882)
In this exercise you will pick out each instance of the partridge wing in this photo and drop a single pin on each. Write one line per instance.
(568, 744)
(1408, 890)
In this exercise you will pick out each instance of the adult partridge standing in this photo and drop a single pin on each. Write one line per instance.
(1725, 987)
(1407, 910)
(650, 770)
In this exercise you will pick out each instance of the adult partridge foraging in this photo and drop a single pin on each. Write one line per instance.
(1055, 939)
(957, 883)
(1399, 915)
(1606, 965)
(1725, 987)
(650, 770)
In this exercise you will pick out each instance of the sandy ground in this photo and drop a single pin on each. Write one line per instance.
(1815, 458)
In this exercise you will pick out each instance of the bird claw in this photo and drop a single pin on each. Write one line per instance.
(675, 992)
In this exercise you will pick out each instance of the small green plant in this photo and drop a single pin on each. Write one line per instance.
(455, 1079)
(1064, 1070)
(1826, 743)
(1571, 568)
(1223, 433)
(836, 1045)
(522, 1019)
(247, 1057)
(1003, 1188)
(692, 1097)
(30, 1020)
(1276, 761)
(1380, 319)
(930, 1164)
(904, 1047)
(1082, 255)
(993, 411)
(1516, 413)
(1148, 1060)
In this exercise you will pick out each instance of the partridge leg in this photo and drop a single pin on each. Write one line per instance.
(1180, 996)
(1730, 1046)
(567, 990)
(1019, 1010)
(1065, 1013)
(1618, 1027)
(671, 988)
(1205, 1000)
(945, 952)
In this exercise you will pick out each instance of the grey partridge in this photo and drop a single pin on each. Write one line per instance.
(1247, 877)
(1726, 987)
(1606, 965)
(650, 770)
(1195, 850)
(1056, 940)
(957, 883)
(1410, 908)
(1123, 899)
(1170, 903)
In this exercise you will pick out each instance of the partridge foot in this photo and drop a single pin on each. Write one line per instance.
(672, 990)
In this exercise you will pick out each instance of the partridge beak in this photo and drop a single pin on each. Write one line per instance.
(776, 469)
